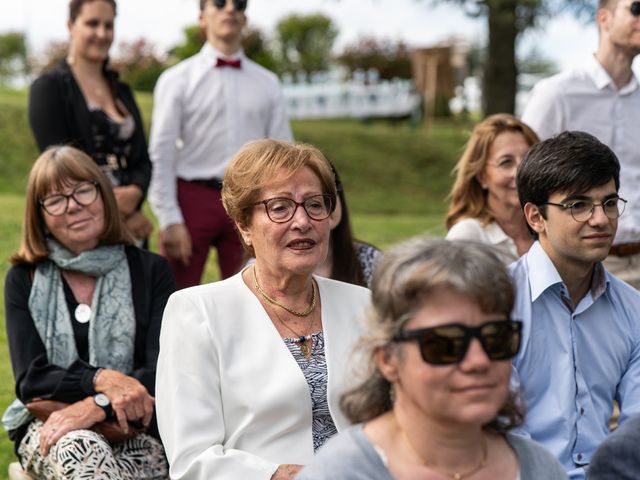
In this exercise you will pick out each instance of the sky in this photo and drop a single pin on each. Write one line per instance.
(417, 22)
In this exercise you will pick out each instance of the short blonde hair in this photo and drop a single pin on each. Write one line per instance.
(468, 199)
(53, 171)
(260, 163)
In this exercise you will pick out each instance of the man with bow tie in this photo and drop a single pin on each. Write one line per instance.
(205, 108)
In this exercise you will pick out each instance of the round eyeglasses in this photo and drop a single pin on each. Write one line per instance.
(582, 210)
(84, 194)
(281, 210)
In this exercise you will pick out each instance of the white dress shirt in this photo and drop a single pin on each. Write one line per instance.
(202, 115)
(470, 229)
(232, 402)
(587, 99)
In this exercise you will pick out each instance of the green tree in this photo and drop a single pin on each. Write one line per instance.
(506, 21)
(138, 64)
(194, 38)
(305, 42)
(13, 56)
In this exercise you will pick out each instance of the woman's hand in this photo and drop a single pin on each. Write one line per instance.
(77, 416)
(127, 197)
(130, 400)
(139, 225)
(286, 471)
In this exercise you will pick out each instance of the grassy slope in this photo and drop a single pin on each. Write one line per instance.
(396, 180)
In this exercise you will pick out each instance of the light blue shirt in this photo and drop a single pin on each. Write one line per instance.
(574, 362)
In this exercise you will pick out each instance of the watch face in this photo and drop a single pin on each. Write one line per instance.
(101, 400)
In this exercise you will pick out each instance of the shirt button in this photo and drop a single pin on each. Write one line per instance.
(581, 411)
(579, 456)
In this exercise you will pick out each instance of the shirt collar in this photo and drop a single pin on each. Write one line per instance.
(495, 234)
(543, 274)
(602, 80)
(211, 53)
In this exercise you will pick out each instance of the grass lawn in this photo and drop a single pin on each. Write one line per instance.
(396, 180)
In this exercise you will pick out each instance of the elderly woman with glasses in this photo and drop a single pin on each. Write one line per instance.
(435, 402)
(251, 368)
(484, 203)
(83, 308)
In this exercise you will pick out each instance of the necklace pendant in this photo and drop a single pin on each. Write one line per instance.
(457, 476)
(82, 313)
(305, 349)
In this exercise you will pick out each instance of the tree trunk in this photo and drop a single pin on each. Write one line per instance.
(500, 72)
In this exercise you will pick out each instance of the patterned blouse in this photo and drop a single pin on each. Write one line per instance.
(314, 369)
(368, 256)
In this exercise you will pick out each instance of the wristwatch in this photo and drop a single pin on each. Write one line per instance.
(104, 403)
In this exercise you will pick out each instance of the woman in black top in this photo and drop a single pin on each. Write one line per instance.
(80, 102)
(83, 310)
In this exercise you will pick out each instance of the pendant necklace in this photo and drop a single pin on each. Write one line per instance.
(273, 301)
(454, 475)
(82, 313)
(304, 342)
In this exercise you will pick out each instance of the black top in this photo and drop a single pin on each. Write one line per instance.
(151, 284)
(59, 115)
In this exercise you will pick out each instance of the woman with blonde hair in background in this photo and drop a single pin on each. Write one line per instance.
(484, 201)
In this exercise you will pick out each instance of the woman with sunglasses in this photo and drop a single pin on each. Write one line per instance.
(83, 308)
(80, 102)
(484, 203)
(251, 368)
(435, 402)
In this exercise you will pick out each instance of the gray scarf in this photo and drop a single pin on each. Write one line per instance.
(112, 324)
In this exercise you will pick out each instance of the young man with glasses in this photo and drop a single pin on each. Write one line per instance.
(205, 109)
(603, 98)
(581, 330)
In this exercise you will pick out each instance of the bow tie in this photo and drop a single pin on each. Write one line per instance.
(223, 62)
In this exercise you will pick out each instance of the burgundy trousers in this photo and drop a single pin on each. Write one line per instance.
(209, 226)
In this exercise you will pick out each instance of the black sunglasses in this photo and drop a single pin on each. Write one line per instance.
(447, 344)
(239, 5)
(635, 9)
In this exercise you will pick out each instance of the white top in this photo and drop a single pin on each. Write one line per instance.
(587, 99)
(232, 402)
(471, 229)
(202, 115)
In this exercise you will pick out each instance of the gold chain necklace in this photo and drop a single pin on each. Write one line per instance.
(455, 475)
(273, 301)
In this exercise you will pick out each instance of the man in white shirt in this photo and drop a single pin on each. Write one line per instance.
(603, 98)
(205, 108)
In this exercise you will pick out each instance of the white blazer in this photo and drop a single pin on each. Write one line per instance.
(232, 402)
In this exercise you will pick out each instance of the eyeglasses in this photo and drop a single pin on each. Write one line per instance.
(447, 344)
(239, 5)
(582, 210)
(635, 8)
(84, 193)
(281, 210)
